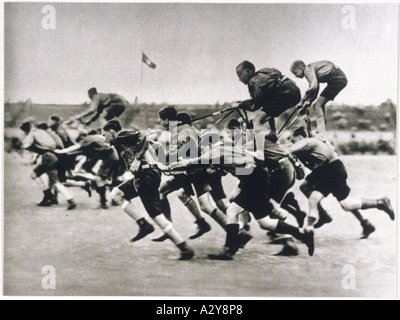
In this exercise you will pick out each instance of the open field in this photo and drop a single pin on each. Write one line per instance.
(90, 252)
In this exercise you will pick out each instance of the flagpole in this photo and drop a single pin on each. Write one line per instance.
(141, 78)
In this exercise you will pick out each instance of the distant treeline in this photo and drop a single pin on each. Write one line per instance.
(339, 117)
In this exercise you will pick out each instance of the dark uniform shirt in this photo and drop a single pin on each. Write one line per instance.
(263, 84)
(273, 154)
(131, 145)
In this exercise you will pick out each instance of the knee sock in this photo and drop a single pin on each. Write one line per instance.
(358, 215)
(369, 203)
(232, 237)
(290, 204)
(168, 228)
(102, 193)
(286, 228)
(63, 190)
(219, 217)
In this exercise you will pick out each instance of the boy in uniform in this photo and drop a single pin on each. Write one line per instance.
(140, 158)
(271, 92)
(316, 73)
(107, 106)
(328, 176)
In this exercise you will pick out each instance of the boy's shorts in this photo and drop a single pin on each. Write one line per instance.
(254, 194)
(146, 187)
(48, 166)
(114, 110)
(199, 182)
(330, 178)
(336, 83)
(108, 168)
(215, 182)
(176, 183)
(282, 179)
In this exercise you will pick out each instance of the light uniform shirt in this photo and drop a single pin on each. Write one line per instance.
(39, 141)
(187, 144)
(313, 152)
(96, 147)
(323, 69)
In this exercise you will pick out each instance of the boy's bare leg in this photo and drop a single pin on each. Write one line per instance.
(318, 108)
(260, 131)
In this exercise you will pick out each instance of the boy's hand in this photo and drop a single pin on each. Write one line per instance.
(304, 108)
(162, 166)
(135, 166)
(180, 164)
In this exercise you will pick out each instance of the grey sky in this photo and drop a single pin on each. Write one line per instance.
(196, 48)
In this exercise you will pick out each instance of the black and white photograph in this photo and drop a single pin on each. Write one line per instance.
(215, 150)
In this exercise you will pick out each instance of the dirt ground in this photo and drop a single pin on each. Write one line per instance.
(91, 254)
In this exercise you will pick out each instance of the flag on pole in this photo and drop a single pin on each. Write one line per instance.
(146, 60)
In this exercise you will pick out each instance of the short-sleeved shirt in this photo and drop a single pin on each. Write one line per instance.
(313, 152)
(187, 144)
(273, 153)
(95, 146)
(39, 141)
(65, 137)
(323, 69)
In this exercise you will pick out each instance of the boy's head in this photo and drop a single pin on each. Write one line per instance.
(271, 137)
(166, 115)
(81, 136)
(234, 124)
(53, 122)
(297, 68)
(184, 118)
(111, 129)
(298, 134)
(92, 92)
(42, 126)
(26, 126)
(245, 70)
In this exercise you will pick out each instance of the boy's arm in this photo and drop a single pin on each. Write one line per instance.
(312, 92)
(91, 110)
(28, 141)
(71, 150)
(301, 146)
(211, 156)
